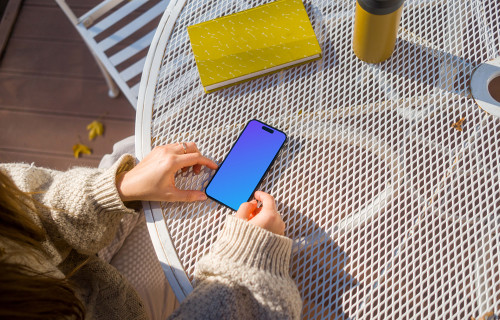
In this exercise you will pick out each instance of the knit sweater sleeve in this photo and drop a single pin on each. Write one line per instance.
(244, 276)
(79, 208)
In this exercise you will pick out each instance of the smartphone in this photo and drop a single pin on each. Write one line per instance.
(244, 167)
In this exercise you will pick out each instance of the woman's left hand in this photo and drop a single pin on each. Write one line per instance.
(153, 178)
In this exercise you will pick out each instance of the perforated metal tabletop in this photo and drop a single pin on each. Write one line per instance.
(389, 182)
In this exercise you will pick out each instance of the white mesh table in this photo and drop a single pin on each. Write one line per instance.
(394, 212)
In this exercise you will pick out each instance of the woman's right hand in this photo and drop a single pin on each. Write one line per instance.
(266, 217)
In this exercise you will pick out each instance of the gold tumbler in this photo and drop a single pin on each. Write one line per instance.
(376, 24)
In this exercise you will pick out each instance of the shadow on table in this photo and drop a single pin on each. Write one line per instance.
(317, 263)
(318, 267)
(428, 68)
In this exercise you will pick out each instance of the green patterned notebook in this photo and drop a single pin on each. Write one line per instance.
(253, 43)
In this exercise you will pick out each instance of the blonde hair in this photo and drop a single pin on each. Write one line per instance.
(24, 292)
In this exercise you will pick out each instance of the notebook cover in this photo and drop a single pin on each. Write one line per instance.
(253, 40)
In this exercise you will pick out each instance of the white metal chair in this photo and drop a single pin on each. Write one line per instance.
(118, 33)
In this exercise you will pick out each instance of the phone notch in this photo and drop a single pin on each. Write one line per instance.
(267, 129)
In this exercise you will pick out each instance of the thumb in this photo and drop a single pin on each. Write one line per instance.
(246, 208)
(190, 195)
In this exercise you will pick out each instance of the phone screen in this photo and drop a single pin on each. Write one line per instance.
(245, 165)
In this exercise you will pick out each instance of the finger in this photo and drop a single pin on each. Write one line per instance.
(192, 148)
(181, 148)
(196, 168)
(190, 195)
(246, 208)
(191, 159)
(254, 213)
(186, 147)
(267, 200)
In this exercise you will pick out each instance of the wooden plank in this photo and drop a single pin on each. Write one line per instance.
(45, 23)
(51, 88)
(131, 27)
(86, 5)
(50, 58)
(54, 135)
(7, 22)
(57, 162)
(115, 17)
(133, 49)
(50, 24)
(133, 70)
(130, 41)
(101, 9)
(135, 89)
(85, 98)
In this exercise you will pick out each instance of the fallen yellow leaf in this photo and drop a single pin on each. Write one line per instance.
(458, 125)
(80, 148)
(95, 128)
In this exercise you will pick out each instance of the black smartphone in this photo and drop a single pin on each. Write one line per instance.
(244, 167)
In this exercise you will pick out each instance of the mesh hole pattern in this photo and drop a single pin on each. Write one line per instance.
(393, 213)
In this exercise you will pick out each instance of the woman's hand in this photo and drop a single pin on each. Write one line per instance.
(153, 178)
(266, 217)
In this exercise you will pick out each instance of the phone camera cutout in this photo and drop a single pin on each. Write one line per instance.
(267, 129)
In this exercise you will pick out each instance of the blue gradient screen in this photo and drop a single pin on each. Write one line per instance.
(246, 164)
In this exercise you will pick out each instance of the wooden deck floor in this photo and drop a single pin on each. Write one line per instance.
(51, 88)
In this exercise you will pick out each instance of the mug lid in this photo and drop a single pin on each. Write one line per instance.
(380, 7)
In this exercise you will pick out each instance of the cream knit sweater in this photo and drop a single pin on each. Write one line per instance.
(245, 275)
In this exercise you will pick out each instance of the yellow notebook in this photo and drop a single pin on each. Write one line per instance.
(252, 43)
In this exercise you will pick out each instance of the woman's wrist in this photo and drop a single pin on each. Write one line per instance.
(121, 187)
(104, 185)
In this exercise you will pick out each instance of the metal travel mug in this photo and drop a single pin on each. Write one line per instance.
(376, 24)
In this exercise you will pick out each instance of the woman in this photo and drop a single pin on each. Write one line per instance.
(53, 224)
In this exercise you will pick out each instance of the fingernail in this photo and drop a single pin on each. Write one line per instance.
(202, 197)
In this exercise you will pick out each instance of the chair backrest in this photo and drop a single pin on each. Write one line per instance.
(119, 34)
